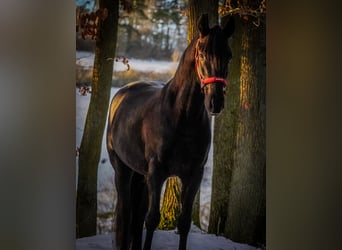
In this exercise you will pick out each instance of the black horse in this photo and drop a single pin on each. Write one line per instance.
(156, 131)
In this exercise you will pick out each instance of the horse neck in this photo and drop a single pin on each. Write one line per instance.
(183, 94)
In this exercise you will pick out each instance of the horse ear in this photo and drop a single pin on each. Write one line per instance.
(203, 25)
(229, 27)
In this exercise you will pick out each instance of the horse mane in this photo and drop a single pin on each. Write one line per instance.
(186, 63)
(181, 86)
(178, 91)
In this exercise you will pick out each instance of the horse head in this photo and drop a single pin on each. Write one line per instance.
(212, 55)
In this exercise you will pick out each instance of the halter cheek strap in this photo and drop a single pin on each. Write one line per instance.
(209, 80)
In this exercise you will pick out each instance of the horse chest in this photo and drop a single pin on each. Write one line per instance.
(186, 152)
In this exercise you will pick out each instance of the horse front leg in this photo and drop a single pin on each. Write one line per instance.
(190, 186)
(155, 180)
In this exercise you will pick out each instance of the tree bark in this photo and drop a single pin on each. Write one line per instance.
(238, 207)
(90, 148)
(195, 9)
(247, 208)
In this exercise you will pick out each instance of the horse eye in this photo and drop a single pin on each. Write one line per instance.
(201, 56)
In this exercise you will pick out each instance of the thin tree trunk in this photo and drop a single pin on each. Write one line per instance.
(90, 149)
(171, 205)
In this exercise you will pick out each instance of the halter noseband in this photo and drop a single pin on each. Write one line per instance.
(208, 80)
(213, 79)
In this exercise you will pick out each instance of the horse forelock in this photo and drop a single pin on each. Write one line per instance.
(217, 49)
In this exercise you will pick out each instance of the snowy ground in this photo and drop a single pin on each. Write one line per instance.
(86, 59)
(168, 240)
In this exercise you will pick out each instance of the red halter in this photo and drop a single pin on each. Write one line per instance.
(209, 80)
(213, 79)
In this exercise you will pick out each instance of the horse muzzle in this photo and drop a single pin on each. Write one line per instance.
(214, 97)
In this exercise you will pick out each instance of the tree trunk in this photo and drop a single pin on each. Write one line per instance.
(247, 208)
(171, 205)
(195, 9)
(90, 149)
(238, 206)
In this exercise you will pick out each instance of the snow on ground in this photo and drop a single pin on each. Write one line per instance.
(168, 240)
(86, 59)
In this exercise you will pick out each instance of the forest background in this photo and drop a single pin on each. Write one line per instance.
(153, 30)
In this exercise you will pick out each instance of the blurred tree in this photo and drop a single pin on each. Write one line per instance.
(238, 206)
(153, 29)
(90, 148)
(147, 28)
(131, 26)
(195, 9)
(167, 18)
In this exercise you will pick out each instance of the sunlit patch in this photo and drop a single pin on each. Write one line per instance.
(115, 104)
(113, 108)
